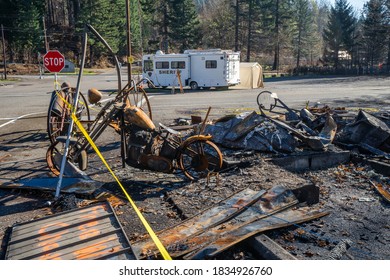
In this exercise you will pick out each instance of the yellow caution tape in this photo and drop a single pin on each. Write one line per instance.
(154, 237)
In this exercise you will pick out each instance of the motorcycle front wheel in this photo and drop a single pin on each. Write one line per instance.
(55, 153)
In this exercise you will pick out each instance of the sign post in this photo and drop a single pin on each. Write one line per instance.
(54, 61)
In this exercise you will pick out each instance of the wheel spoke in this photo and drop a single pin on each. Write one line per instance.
(58, 118)
(140, 99)
(266, 101)
(55, 153)
(199, 158)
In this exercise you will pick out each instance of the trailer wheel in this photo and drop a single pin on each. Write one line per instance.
(194, 85)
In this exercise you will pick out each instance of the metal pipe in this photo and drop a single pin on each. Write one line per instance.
(70, 129)
(204, 122)
(104, 42)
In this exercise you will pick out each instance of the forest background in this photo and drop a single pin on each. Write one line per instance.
(282, 35)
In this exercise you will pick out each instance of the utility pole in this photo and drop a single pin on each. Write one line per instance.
(4, 60)
(128, 22)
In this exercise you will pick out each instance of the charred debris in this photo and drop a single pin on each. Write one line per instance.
(312, 138)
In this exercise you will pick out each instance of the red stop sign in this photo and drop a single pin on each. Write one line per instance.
(54, 61)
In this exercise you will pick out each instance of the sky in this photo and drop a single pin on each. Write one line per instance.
(358, 4)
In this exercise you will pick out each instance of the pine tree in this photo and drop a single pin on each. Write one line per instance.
(217, 24)
(136, 26)
(156, 24)
(254, 26)
(303, 28)
(111, 25)
(374, 31)
(321, 14)
(28, 39)
(22, 21)
(184, 24)
(276, 28)
(339, 34)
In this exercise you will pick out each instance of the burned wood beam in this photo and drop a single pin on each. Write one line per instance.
(268, 249)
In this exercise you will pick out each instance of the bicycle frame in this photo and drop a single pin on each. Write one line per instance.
(291, 115)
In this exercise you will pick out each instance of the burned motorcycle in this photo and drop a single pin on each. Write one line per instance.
(143, 145)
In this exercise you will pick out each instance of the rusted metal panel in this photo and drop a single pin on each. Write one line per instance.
(194, 234)
(92, 232)
(222, 241)
(214, 216)
(383, 190)
(276, 200)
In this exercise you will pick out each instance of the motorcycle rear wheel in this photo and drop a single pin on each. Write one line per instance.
(199, 158)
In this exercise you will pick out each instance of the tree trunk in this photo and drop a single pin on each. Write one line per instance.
(299, 49)
(91, 55)
(165, 45)
(248, 51)
(236, 25)
(76, 10)
(277, 47)
(275, 66)
(336, 58)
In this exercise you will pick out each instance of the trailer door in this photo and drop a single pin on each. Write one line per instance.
(233, 69)
(148, 68)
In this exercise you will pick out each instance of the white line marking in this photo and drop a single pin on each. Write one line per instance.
(139, 104)
(12, 120)
(18, 118)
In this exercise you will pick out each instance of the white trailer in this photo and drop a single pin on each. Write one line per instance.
(197, 68)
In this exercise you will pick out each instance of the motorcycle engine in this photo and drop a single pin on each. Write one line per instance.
(143, 151)
(139, 142)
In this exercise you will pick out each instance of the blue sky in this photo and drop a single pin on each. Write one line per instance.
(358, 4)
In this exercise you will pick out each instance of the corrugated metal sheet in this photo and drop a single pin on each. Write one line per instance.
(92, 232)
(233, 220)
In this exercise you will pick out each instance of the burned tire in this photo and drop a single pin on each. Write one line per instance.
(55, 153)
(199, 158)
(58, 115)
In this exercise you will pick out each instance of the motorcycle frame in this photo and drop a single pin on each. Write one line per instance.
(117, 113)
